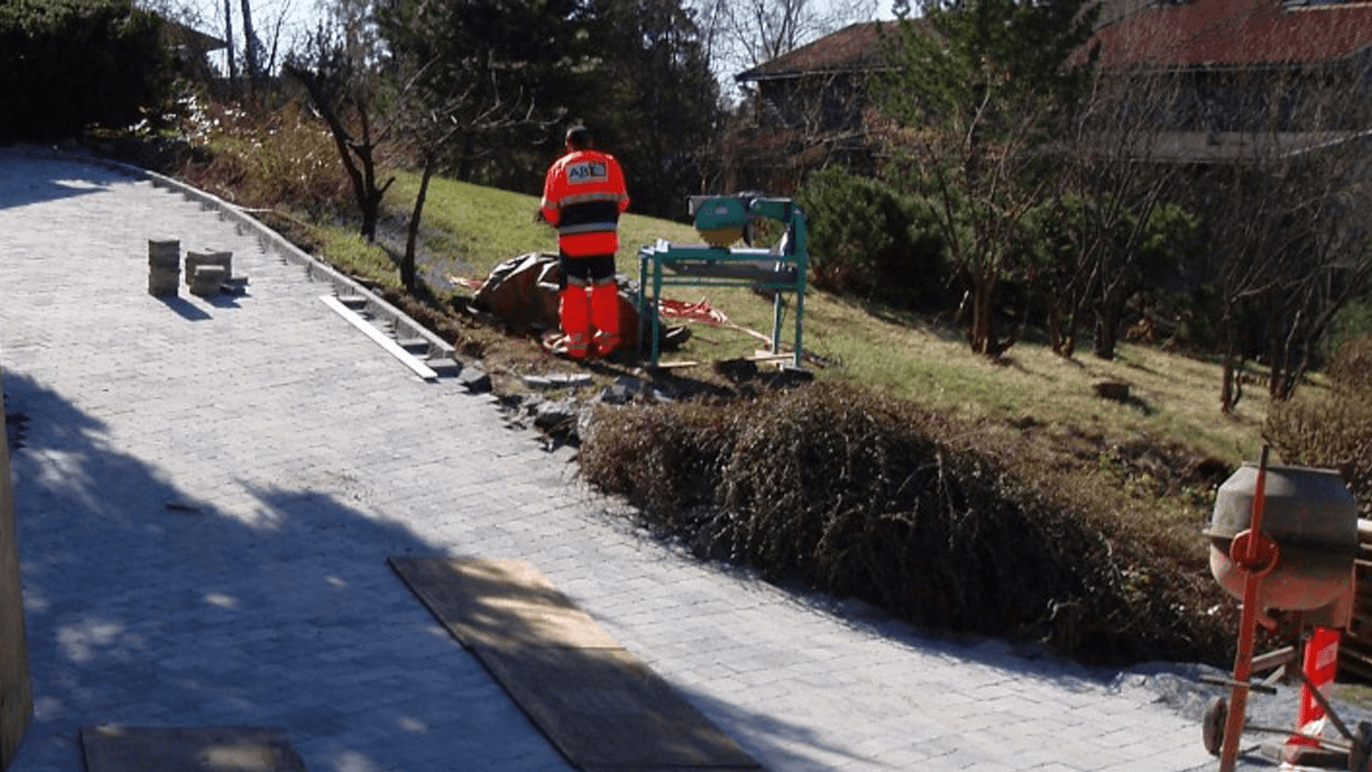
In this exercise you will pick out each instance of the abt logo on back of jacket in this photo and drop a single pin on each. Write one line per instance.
(588, 171)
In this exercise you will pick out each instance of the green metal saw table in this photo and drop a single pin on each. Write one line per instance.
(779, 270)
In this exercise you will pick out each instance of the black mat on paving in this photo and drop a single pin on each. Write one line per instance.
(188, 749)
(599, 705)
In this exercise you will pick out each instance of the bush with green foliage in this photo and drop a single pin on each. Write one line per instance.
(869, 240)
(1352, 321)
(1332, 429)
(66, 65)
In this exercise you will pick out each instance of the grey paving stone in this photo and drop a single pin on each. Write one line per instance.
(297, 456)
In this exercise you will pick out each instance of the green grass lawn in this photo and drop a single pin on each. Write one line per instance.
(1172, 396)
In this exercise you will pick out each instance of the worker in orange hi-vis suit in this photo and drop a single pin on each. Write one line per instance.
(583, 196)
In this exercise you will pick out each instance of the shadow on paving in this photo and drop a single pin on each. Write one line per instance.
(151, 606)
(87, 179)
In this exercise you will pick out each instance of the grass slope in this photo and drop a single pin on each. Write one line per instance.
(1173, 398)
(1141, 472)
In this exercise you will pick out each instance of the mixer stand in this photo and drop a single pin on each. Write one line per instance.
(1353, 752)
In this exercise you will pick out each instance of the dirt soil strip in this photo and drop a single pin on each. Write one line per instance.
(599, 705)
(188, 749)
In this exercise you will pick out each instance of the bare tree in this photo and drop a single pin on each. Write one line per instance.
(264, 51)
(1272, 148)
(433, 120)
(1285, 206)
(984, 92)
(1119, 188)
(343, 88)
(741, 34)
(1289, 233)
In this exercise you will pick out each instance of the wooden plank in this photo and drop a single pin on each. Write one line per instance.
(605, 708)
(596, 703)
(188, 749)
(16, 690)
(499, 602)
(1357, 662)
(380, 338)
(767, 356)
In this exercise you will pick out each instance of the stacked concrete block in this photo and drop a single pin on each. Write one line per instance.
(164, 267)
(194, 260)
(206, 272)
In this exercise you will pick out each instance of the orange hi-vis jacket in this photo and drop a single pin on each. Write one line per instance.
(583, 196)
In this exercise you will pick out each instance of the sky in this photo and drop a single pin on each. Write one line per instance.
(296, 19)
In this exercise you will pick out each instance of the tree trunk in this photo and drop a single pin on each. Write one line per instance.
(371, 195)
(982, 333)
(1229, 387)
(249, 47)
(228, 43)
(407, 262)
(1060, 333)
(1107, 331)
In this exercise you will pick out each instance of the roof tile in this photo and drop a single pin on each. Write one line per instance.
(855, 47)
(1238, 33)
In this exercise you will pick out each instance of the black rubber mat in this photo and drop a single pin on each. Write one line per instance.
(188, 749)
(598, 704)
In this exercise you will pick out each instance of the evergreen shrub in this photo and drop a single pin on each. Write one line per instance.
(868, 240)
(67, 65)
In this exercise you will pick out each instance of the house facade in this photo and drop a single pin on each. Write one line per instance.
(1244, 77)
(808, 109)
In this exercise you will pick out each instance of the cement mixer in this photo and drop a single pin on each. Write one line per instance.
(1283, 540)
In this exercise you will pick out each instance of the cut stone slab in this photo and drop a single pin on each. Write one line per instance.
(110, 748)
(206, 280)
(597, 703)
(557, 380)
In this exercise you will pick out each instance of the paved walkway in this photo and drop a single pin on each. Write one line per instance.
(207, 491)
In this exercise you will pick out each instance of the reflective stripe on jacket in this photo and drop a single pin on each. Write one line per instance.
(583, 195)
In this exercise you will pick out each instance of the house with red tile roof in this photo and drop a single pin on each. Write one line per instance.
(852, 50)
(1252, 77)
(1238, 34)
(1292, 73)
(808, 108)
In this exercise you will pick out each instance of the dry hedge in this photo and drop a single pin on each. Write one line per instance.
(1332, 430)
(865, 496)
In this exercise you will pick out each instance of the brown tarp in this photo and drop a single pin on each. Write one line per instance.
(523, 293)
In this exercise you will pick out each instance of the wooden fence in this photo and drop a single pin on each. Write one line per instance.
(1355, 652)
